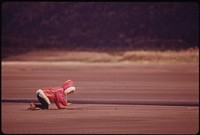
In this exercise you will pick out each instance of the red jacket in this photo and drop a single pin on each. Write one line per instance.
(56, 94)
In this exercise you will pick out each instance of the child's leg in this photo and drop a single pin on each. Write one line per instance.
(43, 104)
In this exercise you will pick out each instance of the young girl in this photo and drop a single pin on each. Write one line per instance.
(58, 95)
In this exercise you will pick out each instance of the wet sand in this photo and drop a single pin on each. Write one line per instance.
(121, 81)
(100, 119)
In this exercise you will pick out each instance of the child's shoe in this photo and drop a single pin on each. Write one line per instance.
(32, 106)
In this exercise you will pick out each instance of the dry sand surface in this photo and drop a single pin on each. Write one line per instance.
(121, 81)
(141, 56)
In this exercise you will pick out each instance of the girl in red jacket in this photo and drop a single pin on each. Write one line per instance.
(58, 95)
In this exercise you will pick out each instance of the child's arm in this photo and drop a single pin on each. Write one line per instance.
(59, 105)
(60, 100)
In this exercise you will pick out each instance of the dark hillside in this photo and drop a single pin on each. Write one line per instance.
(72, 25)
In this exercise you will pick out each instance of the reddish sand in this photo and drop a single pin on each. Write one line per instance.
(102, 81)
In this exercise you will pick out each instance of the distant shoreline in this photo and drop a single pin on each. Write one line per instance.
(138, 56)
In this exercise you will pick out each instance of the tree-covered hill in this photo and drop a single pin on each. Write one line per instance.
(134, 25)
